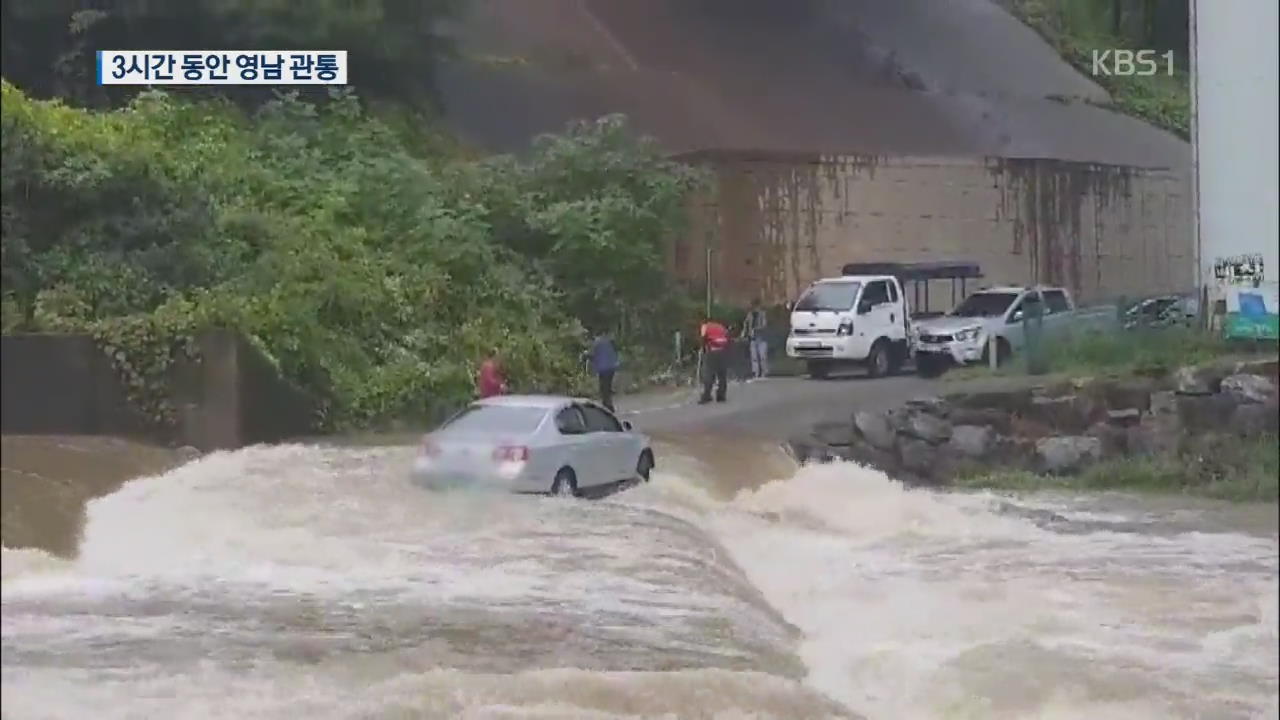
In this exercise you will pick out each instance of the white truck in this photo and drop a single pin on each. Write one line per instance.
(852, 320)
(994, 316)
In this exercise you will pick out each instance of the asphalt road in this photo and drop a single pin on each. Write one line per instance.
(773, 408)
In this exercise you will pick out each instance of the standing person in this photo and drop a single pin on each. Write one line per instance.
(757, 345)
(715, 360)
(604, 363)
(491, 379)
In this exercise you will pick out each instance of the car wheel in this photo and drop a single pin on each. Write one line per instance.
(878, 363)
(644, 466)
(565, 484)
(1003, 351)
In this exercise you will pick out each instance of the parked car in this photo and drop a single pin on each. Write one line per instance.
(1162, 311)
(965, 334)
(852, 320)
(533, 444)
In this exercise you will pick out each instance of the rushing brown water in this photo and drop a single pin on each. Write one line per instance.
(308, 580)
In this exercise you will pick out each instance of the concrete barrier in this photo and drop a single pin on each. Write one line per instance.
(228, 397)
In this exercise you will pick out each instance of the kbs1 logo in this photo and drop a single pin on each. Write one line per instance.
(222, 67)
(1124, 63)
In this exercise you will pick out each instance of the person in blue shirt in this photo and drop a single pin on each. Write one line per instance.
(604, 363)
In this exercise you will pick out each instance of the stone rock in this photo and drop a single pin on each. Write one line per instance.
(875, 428)
(1115, 439)
(840, 453)
(802, 448)
(1244, 388)
(1009, 401)
(924, 426)
(867, 455)
(1067, 453)
(946, 464)
(1154, 435)
(1125, 394)
(1205, 413)
(982, 417)
(1199, 380)
(930, 405)
(1266, 368)
(972, 441)
(1016, 453)
(917, 456)
(1256, 419)
(834, 434)
(1164, 402)
(1124, 418)
(1068, 414)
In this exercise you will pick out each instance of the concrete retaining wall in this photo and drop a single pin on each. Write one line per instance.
(229, 397)
(776, 222)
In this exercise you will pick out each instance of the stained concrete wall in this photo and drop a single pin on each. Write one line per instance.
(776, 222)
(228, 397)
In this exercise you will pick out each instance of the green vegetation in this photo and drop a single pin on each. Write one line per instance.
(1224, 467)
(1149, 352)
(374, 269)
(1075, 28)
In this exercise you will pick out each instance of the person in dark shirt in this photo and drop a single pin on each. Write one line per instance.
(604, 363)
(715, 360)
(753, 331)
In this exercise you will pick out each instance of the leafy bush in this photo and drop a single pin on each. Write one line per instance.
(374, 277)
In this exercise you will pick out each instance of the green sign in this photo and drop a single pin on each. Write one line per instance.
(1251, 314)
(1258, 327)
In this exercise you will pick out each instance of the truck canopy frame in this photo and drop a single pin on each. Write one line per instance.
(921, 273)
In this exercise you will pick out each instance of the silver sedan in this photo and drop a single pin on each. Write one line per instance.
(533, 443)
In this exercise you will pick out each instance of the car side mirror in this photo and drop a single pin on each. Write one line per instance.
(626, 425)
(1016, 316)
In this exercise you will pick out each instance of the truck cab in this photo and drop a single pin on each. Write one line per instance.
(852, 320)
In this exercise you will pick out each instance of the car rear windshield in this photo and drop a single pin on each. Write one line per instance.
(835, 296)
(984, 305)
(505, 419)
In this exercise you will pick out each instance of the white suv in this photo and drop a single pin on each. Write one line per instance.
(851, 320)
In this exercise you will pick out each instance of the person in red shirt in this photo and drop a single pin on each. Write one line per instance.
(715, 360)
(491, 379)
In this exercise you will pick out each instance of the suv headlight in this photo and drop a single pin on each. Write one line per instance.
(846, 328)
(968, 335)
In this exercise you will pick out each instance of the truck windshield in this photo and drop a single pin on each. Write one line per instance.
(984, 305)
(835, 296)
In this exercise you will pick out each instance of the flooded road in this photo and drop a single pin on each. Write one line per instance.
(307, 580)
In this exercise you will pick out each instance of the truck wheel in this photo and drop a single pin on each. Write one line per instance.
(879, 362)
(817, 369)
(898, 357)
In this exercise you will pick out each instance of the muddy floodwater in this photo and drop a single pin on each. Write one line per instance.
(312, 580)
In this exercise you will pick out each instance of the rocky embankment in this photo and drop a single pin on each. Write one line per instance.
(1056, 428)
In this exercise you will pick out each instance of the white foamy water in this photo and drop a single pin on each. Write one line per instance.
(307, 581)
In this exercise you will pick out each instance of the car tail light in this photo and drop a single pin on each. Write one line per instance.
(517, 453)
